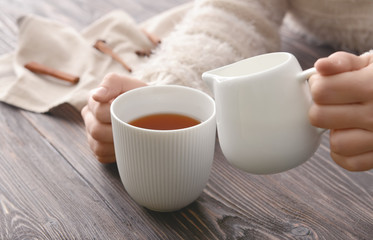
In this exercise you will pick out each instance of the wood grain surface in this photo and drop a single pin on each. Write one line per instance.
(52, 187)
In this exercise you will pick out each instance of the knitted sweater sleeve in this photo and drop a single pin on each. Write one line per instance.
(214, 33)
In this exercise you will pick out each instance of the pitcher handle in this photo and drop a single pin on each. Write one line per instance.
(304, 76)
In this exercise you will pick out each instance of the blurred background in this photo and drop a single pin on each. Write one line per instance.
(76, 13)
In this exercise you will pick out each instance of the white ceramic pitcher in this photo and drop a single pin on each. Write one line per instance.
(262, 108)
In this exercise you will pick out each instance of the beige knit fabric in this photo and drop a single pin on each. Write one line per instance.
(214, 33)
(343, 24)
(219, 32)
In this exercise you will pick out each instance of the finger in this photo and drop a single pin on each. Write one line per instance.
(342, 116)
(104, 152)
(113, 85)
(84, 112)
(344, 88)
(341, 62)
(97, 130)
(350, 142)
(362, 162)
(100, 110)
(107, 160)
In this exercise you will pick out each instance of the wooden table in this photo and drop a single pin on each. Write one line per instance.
(51, 186)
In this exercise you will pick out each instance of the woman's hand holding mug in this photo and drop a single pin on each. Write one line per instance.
(96, 114)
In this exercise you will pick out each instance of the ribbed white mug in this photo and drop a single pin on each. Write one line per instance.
(164, 170)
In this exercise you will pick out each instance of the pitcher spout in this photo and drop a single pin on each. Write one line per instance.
(210, 80)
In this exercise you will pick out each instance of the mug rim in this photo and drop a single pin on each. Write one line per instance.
(116, 101)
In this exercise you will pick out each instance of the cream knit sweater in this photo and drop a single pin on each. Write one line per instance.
(218, 32)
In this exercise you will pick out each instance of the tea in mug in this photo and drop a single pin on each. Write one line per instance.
(164, 121)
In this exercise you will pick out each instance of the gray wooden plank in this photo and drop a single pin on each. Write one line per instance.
(42, 195)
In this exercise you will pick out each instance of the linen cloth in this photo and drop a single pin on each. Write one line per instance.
(62, 47)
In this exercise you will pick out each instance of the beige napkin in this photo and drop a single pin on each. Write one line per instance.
(63, 48)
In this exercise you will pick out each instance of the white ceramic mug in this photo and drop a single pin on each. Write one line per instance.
(262, 113)
(164, 170)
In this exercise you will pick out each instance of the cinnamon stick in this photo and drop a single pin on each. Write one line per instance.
(104, 48)
(143, 53)
(154, 39)
(42, 69)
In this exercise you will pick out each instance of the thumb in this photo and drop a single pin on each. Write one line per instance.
(113, 85)
(341, 62)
